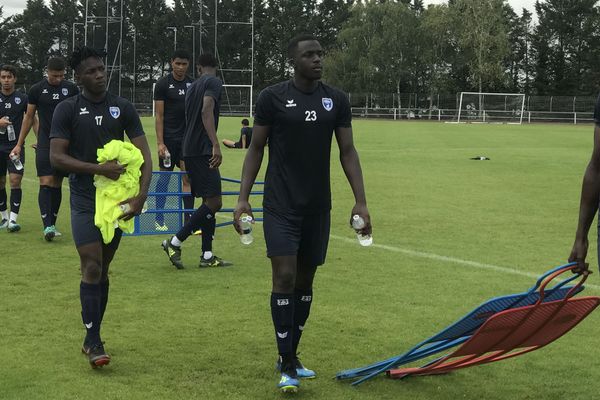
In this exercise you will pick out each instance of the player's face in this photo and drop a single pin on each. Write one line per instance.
(180, 66)
(55, 77)
(7, 80)
(92, 75)
(307, 61)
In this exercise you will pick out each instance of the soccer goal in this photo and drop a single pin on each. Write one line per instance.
(503, 108)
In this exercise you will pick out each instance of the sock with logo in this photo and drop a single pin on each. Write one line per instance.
(188, 204)
(162, 185)
(3, 207)
(56, 200)
(282, 312)
(103, 298)
(90, 297)
(197, 221)
(15, 203)
(208, 234)
(45, 204)
(301, 313)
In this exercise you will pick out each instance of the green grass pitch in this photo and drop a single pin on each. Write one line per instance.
(441, 224)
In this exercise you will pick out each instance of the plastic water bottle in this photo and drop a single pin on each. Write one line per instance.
(246, 224)
(10, 129)
(358, 223)
(16, 160)
(167, 160)
(125, 208)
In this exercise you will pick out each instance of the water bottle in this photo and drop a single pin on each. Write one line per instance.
(359, 223)
(246, 224)
(167, 160)
(10, 129)
(16, 160)
(125, 208)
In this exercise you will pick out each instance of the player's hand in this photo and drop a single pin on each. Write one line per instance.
(34, 146)
(363, 211)
(578, 255)
(161, 150)
(111, 169)
(16, 150)
(4, 122)
(242, 207)
(136, 205)
(217, 157)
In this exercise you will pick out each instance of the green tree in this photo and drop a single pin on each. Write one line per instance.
(35, 38)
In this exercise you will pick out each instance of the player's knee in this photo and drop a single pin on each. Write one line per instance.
(284, 281)
(15, 181)
(214, 203)
(91, 270)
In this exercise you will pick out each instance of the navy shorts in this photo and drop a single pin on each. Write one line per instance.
(176, 151)
(83, 229)
(304, 236)
(43, 166)
(205, 181)
(7, 165)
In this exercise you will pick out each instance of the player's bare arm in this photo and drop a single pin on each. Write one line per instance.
(60, 158)
(351, 165)
(28, 121)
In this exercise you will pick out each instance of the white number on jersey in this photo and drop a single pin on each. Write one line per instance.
(7, 105)
(55, 96)
(182, 92)
(98, 120)
(310, 116)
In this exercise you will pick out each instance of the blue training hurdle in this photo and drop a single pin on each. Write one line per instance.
(165, 209)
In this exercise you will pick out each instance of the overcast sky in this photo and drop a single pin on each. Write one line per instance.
(11, 7)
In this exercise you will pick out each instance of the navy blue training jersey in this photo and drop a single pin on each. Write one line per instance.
(302, 125)
(172, 92)
(89, 126)
(246, 131)
(14, 107)
(196, 141)
(46, 97)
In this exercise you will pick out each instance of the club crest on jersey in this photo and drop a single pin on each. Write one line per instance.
(114, 112)
(327, 103)
(17, 100)
(65, 91)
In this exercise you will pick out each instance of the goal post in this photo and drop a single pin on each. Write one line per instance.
(479, 107)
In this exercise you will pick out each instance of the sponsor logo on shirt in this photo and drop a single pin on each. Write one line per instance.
(114, 112)
(17, 100)
(65, 91)
(290, 103)
(327, 103)
(83, 111)
(171, 86)
(188, 84)
(45, 91)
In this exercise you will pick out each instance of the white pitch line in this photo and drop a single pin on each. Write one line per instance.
(453, 260)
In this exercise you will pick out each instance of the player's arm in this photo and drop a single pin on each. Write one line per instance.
(137, 203)
(351, 165)
(60, 159)
(28, 121)
(208, 120)
(588, 205)
(36, 125)
(252, 163)
(159, 120)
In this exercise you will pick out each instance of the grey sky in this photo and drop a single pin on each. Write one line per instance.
(11, 7)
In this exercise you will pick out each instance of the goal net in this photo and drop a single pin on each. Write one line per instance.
(505, 108)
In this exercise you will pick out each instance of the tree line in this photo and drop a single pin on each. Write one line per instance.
(372, 46)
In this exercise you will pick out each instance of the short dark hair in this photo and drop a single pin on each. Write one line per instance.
(82, 53)
(293, 44)
(56, 64)
(9, 68)
(180, 53)
(207, 60)
(245, 122)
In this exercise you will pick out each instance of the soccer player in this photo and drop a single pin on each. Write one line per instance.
(590, 192)
(82, 125)
(202, 155)
(13, 104)
(299, 118)
(245, 137)
(43, 97)
(169, 101)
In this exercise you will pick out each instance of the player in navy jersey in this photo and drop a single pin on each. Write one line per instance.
(43, 97)
(202, 155)
(299, 117)
(13, 105)
(590, 193)
(245, 137)
(169, 101)
(82, 125)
